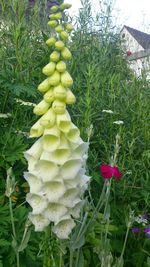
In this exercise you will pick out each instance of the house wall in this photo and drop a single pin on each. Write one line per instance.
(137, 65)
(141, 65)
(129, 42)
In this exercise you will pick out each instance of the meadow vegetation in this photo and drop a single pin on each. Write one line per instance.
(107, 91)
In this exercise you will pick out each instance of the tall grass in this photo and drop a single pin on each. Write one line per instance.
(102, 81)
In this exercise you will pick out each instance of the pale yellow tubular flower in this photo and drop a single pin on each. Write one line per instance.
(51, 139)
(64, 122)
(49, 96)
(59, 107)
(70, 98)
(34, 182)
(70, 168)
(44, 86)
(54, 190)
(64, 227)
(35, 150)
(49, 69)
(48, 119)
(70, 198)
(80, 150)
(56, 161)
(46, 170)
(75, 211)
(73, 134)
(60, 92)
(37, 202)
(62, 153)
(55, 211)
(36, 130)
(41, 108)
(40, 221)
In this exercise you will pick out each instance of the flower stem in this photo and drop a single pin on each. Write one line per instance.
(14, 230)
(46, 259)
(124, 246)
(71, 258)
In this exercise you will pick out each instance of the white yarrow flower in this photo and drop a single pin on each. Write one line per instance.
(5, 116)
(118, 122)
(25, 103)
(107, 111)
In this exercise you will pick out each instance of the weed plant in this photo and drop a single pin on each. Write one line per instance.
(103, 81)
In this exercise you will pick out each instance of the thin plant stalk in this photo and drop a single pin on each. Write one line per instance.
(71, 258)
(124, 244)
(14, 230)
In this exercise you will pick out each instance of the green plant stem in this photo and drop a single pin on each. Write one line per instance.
(14, 230)
(48, 258)
(77, 258)
(12, 218)
(60, 259)
(71, 258)
(97, 208)
(106, 207)
(124, 245)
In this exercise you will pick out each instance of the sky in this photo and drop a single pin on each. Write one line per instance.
(133, 13)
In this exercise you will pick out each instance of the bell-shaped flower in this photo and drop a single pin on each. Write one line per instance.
(35, 150)
(55, 211)
(41, 108)
(76, 210)
(44, 86)
(33, 154)
(80, 149)
(73, 134)
(70, 198)
(46, 170)
(31, 163)
(64, 122)
(34, 182)
(49, 96)
(70, 168)
(40, 222)
(54, 190)
(37, 202)
(84, 181)
(48, 119)
(51, 139)
(36, 130)
(71, 183)
(62, 153)
(59, 106)
(70, 99)
(60, 92)
(64, 227)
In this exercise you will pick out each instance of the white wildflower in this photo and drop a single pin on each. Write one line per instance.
(25, 103)
(118, 122)
(107, 111)
(139, 219)
(5, 115)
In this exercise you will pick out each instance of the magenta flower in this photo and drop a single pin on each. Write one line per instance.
(108, 172)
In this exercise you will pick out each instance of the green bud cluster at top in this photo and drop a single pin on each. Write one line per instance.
(56, 161)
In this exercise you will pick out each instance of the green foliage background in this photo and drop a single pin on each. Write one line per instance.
(102, 80)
